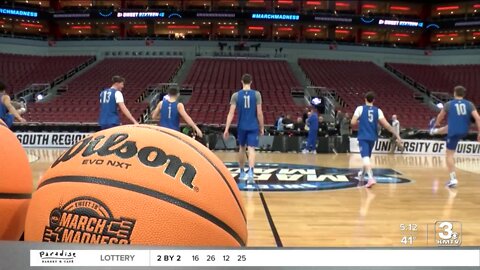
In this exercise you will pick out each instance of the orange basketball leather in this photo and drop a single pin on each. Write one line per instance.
(15, 185)
(138, 185)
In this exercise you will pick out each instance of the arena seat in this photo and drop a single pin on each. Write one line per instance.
(443, 78)
(215, 80)
(352, 79)
(20, 71)
(80, 102)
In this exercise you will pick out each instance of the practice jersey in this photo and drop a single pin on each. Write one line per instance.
(109, 98)
(3, 109)
(169, 117)
(368, 117)
(246, 102)
(459, 112)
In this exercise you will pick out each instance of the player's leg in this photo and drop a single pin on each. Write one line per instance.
(363, 146)
(310, 143)
(368, 165)
(242, 143)
(252, 142)
(452, 143)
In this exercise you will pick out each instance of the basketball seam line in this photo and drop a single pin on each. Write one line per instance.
(213, 165)
(15, 195)
(150, 193)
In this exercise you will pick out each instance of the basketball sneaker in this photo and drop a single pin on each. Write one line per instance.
(371, 182)
(305, 151)
(243, 176)
(452, 183)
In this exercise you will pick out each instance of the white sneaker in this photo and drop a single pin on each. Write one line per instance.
(305, 151)
(452, 183)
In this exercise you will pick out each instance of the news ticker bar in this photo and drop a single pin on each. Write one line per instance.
(266, 258)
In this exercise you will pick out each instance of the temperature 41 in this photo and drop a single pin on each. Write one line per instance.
(408, 240)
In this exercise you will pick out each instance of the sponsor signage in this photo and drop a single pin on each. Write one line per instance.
(39, 139)
(18, 12)
(400, 23)
(429, 147)
(140, 14)
(270, 16)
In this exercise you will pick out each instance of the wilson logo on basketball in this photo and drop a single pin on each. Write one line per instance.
(87, 220)
(118, 145)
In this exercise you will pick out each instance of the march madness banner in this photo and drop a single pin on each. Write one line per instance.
(47, 139)
(420, 147)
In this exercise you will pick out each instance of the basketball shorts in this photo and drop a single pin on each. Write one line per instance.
(107, 126)
(8, 119)
(452, 141)
(366, 148)
(248, 137)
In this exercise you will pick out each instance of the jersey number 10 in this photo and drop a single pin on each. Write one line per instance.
(246, 99)
(461, 109)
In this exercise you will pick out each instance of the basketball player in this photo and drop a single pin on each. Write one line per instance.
(7, 109)
(110, 99)
(368, 117)
(312, 122)
(169, 110)
(248, 104)
(458, 112)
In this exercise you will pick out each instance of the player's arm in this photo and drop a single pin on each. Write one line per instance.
(156, 112)
(440, 117)
(2, 123)
(476, 116)
(127, 113)
(8, 103)
(231, 114)
(121, 104)
(188, 119)
(261, 122)
(356, 115)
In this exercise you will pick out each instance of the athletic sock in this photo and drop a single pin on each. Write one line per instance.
(453, 176)
(370, 175)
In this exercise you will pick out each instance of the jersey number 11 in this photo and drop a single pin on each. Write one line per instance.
(247, 101)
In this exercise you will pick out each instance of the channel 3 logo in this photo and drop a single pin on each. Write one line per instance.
(448, 233)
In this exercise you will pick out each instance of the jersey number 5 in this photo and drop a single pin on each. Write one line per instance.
(461, 109)
(247, 102)
(370, 116)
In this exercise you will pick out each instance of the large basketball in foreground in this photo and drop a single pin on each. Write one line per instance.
(140, 185)
(15, 185)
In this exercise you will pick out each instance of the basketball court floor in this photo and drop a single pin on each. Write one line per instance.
(396, 213)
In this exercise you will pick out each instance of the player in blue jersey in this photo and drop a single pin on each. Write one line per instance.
(368, 117)
(459, 112)
(169, 110)
(111, 99)
(7, 110)
(248, 104)
(312, 123)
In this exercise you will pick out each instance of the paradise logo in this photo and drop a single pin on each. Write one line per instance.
(291, 177)
(87, 220)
